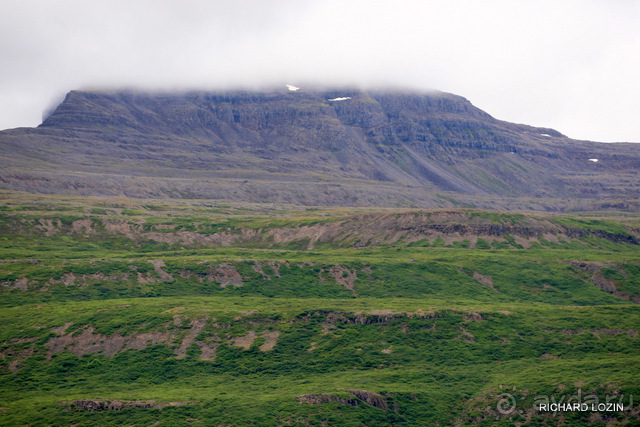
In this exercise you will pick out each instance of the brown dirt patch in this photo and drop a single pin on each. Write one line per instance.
(70, 279)
(177, 320)
(319, 399)
(94, 405)
(121, 227)
(522, 241)
(344, 277)
(257, 267)
(275, 266)
(157, 266)
(143, 340)
(21, 284)
(226, 274)
(174, 310)
(87, 342)
(598, 279)
(60, 330)
(196, 326)
(18, 355)
(208, 351)
(549, 356)
(82, 226)
(143, 279)
(387, 313)
(484, 279)
(371, 398)
(164, 227)
(472, 316)
(46, 225)
(246, 341)
(597, 332)
(603, 283)
(465, 336)
(270, 340)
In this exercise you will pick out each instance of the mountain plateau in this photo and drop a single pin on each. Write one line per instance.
(334, 147)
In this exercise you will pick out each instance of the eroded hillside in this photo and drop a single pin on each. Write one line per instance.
(330, 147)
(141, 312)
(129, 249)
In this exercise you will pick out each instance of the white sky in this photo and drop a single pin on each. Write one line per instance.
(569, 65)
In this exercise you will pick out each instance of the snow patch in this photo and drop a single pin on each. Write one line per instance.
(340, 98)
(546, 134)
(292, 88)
(593, 160)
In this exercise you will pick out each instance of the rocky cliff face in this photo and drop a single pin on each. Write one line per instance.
(324, 146)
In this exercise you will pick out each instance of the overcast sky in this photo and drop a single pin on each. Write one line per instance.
(569, 65)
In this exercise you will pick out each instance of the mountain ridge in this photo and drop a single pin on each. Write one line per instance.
(327, 146)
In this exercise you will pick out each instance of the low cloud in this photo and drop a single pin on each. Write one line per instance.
(568, 65)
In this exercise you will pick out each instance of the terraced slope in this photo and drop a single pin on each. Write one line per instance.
(146, 312)
(326, 147)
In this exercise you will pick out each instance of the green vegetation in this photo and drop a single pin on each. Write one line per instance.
(134, 313)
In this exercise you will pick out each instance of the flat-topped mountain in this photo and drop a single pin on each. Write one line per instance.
(314, 147)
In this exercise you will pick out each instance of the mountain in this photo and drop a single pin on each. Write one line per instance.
(183, 304)
(340, 147)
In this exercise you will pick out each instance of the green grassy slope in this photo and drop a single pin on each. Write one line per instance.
(132, 313)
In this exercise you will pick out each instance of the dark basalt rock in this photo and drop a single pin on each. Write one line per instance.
(286, 143)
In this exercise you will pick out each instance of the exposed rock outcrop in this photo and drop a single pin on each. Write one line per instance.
(93, 405)
(377, 147)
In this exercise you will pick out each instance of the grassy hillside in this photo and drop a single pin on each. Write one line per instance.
(122, 312)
